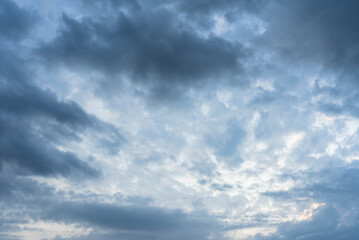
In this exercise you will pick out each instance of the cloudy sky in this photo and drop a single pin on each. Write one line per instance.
(179, 119)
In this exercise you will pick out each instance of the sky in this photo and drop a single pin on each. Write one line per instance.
(179, 119)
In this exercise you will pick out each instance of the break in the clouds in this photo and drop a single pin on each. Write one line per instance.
(178, 119)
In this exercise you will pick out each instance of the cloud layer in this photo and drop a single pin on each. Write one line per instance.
(179, 120)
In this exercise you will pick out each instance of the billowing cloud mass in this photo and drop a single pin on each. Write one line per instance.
(179, 119)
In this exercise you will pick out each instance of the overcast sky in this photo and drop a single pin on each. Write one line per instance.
(179, 119)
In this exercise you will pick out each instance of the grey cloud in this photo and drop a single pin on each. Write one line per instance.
(20, 198)
(29, 153)
(324, 29)
(20, 98)
(122, 217)
(134, 222)
(152, 48)
(28, 116)
(324, 225)
(25, 199)
(157, 46)
(325, 184)
(15, 22)
(20, 189)
(337, 187)
(320, 37)
(33, 121)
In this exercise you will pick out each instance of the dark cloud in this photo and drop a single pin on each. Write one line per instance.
(25, 199)
(122, 217)
(324, 225)
(324, 30)
(21, 98)
(33, 121)
(134, 222)
(337, 187)
(15, 22)
(332, 183)
(20, 198)
(160, 49)
(30, 153)
(21, 189)
(319, 37)
(152, 48)
(28, 116)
